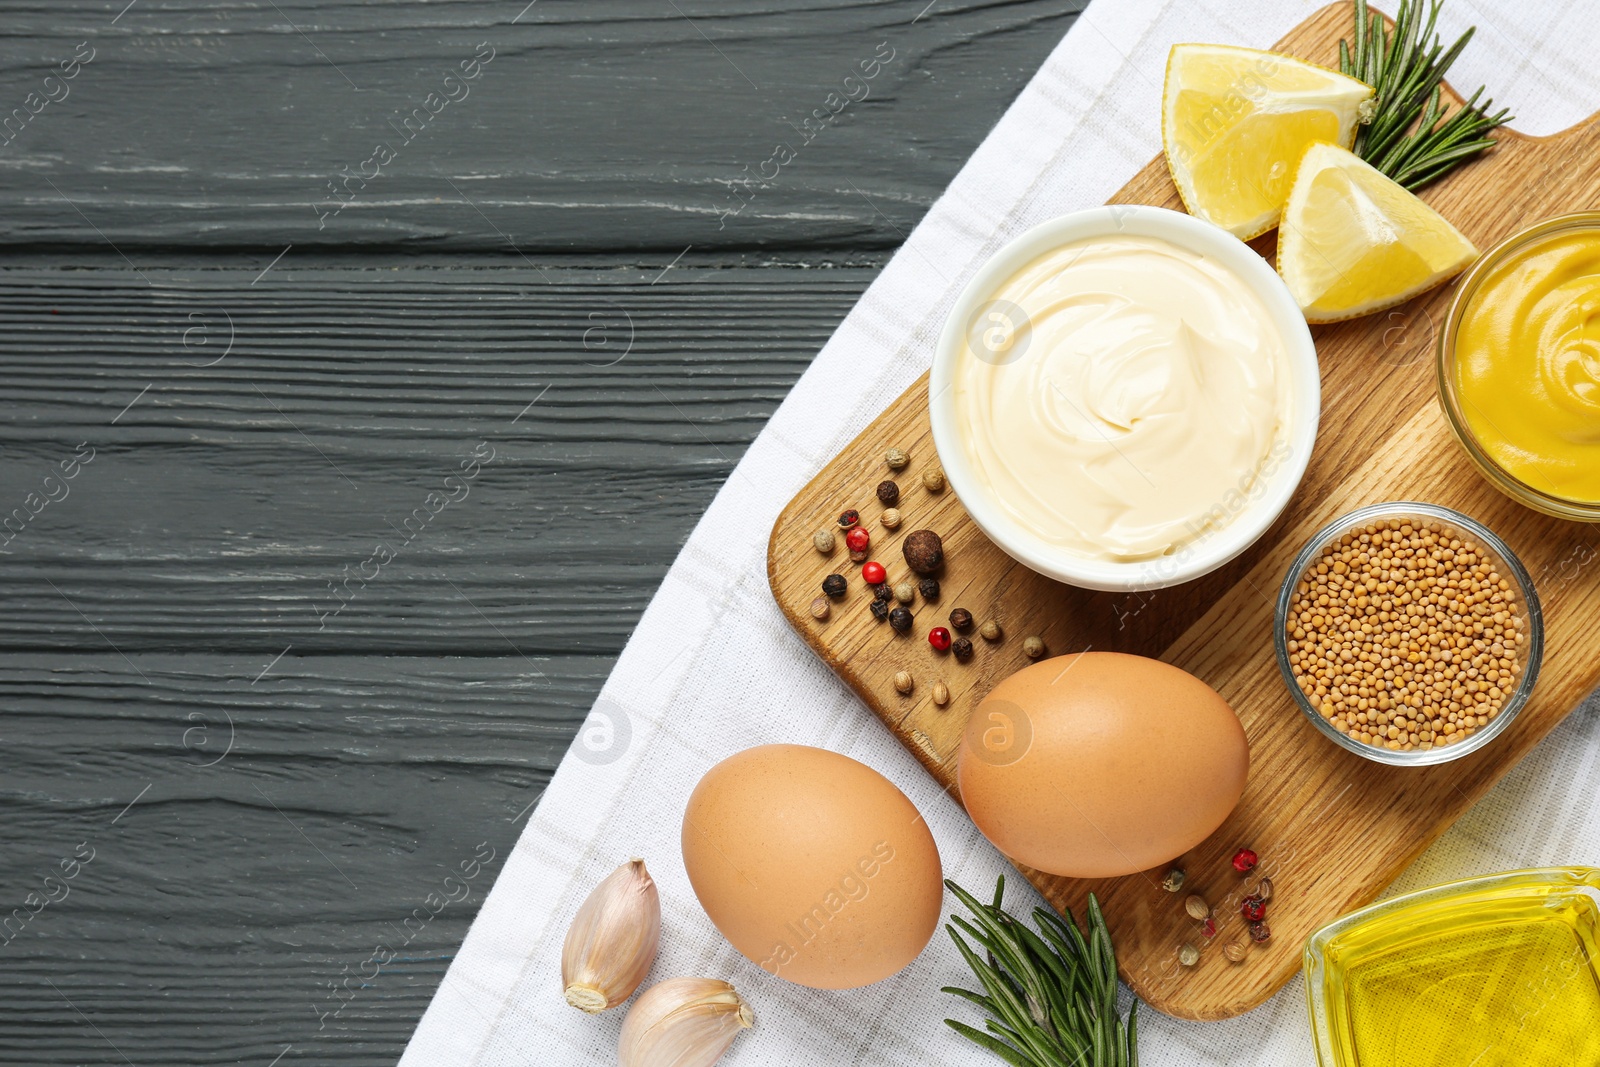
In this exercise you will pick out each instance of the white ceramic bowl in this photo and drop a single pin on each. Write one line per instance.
(1265, 501)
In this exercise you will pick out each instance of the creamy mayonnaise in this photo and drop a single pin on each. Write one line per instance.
(1123, 396)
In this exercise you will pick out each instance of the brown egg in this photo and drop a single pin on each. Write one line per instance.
(813, 865)
(1101, 764)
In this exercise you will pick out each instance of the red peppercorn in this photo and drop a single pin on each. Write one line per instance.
(849, 518)
(872, 572)
(939, 638)
(1244, 860)
(857, 539)
(1210, 928)
(1254, 909)
(1260, 932)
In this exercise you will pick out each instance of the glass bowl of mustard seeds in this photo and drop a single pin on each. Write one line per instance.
(1408, 633)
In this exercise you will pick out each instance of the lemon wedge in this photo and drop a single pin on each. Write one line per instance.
(1353, 241)
(1235, 121)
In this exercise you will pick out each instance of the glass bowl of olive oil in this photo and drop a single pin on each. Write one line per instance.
(1501, 971)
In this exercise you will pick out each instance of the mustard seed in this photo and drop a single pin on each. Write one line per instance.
(1405, 636)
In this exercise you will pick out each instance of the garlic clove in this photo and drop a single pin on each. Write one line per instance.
(613, 939)
(682, 1022)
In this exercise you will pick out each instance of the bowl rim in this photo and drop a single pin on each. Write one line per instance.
(1199, 556)
(1445, 362)
(1535, 629)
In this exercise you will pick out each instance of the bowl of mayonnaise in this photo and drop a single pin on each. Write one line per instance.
(1125, 398)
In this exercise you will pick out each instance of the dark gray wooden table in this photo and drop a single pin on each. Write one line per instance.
(365, 365)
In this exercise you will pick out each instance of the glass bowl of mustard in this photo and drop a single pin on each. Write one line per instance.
(1498, 971)
(1519, 366)
(1319, 644)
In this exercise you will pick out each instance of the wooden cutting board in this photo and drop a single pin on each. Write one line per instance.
(1331, 828)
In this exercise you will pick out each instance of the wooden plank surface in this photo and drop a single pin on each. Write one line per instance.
(624, 126)
(1332, 829)
(146, 211)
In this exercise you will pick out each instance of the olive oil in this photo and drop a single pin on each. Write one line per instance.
(1507, 978)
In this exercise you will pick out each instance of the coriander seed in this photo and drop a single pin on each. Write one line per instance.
(823, 541)
(903, 682)
(933, 480)
(1235, 951)
(1196, 906)
(941, 694)
(820, 608)
(890, 518)
(896, 458)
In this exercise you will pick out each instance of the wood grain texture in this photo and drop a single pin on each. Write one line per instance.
(146, 610)
(624, 126)
(515, 244)
(1332, 829)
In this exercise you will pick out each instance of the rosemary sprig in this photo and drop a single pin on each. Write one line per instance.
(1410, 138)
(1051, 996)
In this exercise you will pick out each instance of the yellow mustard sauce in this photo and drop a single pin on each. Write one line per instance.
(1527, 365)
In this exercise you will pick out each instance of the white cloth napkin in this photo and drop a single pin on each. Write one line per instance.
(713, 667)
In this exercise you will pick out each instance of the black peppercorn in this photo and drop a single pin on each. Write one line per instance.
(961, 620)
(882, 591)
(834, 585)
(900, 619)
(961, 648)
(929, 588)
(880, 609)
(849, 518)
(924, 551)
(888, 494)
